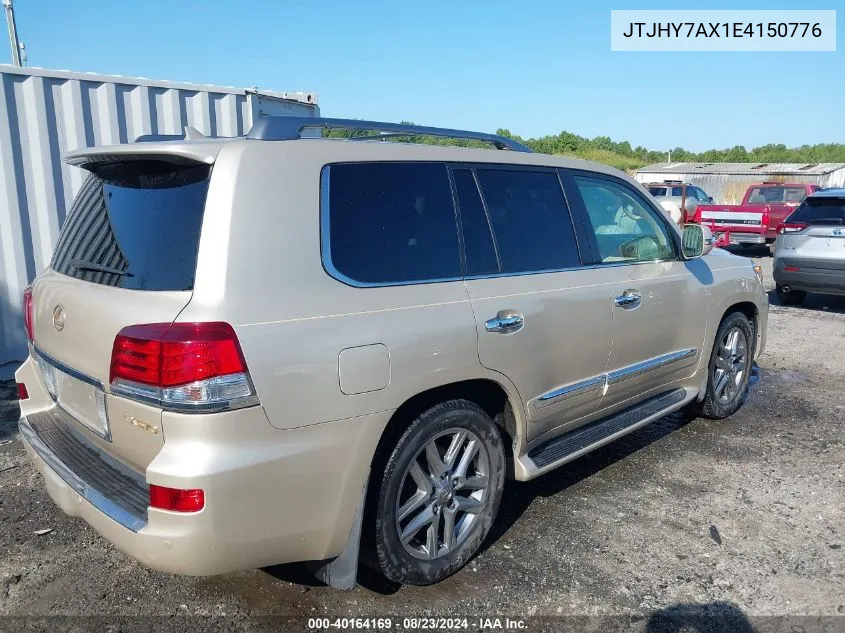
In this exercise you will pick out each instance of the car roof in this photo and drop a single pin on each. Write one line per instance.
(835, 192)
(335, 149)
(781, 184)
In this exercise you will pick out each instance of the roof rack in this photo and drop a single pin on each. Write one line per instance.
(286, 128)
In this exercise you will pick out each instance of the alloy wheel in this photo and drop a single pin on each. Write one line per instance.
(731, 365)
(443, 490)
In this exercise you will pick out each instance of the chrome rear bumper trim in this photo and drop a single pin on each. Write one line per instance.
(93, 496)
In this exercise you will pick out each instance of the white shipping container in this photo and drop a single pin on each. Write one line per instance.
(46, 113)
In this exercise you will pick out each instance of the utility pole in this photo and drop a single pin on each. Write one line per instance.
(13, 32)
(668, 160)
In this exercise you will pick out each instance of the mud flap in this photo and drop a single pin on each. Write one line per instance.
(702, 391)
(342, 572)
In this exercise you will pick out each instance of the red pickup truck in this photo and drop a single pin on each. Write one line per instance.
(755, 220)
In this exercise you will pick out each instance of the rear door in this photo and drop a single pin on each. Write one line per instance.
(126, 255)
(542, 320)
(658, 301)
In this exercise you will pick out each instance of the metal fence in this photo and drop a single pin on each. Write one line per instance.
(727, 182)
(44, 114)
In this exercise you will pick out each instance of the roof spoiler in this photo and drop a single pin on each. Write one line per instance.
(190, 134)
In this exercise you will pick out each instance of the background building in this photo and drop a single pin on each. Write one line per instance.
(727, 182)
(45, 113)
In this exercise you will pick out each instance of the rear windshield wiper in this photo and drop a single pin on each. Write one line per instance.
(81, 264)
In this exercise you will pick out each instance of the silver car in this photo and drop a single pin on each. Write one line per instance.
(810, 248)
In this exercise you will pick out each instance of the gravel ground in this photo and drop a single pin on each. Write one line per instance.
(742, 517)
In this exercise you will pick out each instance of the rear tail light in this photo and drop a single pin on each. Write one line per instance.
(183, 366)
(27, 314)
(791, 269)
(791, 227)
(176, 500)
(22, 392)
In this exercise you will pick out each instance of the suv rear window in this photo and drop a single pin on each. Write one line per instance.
(390, 223)
(135, 225)
(820, 211)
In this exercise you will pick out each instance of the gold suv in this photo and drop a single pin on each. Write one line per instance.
(278, 348)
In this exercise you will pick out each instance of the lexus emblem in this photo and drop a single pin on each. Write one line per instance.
(59, 318)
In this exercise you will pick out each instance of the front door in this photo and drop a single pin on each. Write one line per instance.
(657, 299)
(542, 319)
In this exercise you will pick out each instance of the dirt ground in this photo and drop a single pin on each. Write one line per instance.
(741, 518)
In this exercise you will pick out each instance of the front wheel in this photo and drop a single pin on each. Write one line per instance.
(729, 369)
(439, 493)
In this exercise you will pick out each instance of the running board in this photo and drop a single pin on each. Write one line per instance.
(575, 441)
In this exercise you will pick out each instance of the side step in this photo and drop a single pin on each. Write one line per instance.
(582, 437)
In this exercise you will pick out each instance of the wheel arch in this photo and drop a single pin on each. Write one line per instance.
(750, 310)
(496, 399)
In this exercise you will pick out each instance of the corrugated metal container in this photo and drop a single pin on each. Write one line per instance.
(727, 182)
(45, 113)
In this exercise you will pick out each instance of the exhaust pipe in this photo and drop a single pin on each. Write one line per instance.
(784, 289)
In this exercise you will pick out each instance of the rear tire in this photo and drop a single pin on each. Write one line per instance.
(438, 494)
(729, 369)
(791, 298)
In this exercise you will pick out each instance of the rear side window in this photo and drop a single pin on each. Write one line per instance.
(390, 223)
(657, 191)
(530, 220)
(820, 211)
(135, 225)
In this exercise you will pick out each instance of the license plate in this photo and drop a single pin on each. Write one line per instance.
(82, 400)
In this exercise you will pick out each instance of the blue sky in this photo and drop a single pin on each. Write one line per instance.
(533, 67)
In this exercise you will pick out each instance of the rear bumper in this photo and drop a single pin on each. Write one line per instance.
(830, 282)
(271, 496)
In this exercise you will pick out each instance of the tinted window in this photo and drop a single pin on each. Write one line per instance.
(773, 195)
(392, 222)
(530, 220)
(677, 191)
(657, 191)
(478, 242)
(626, 228)
(135, 225)
(820, 211)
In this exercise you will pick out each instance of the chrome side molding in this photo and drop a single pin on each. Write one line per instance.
(570, 391)
(638, 369)
(602, 381)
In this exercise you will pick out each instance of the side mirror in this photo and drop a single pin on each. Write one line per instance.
(710, 199)
(697, 240)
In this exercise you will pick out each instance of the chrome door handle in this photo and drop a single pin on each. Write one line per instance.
(505, 322)
(628, 299)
